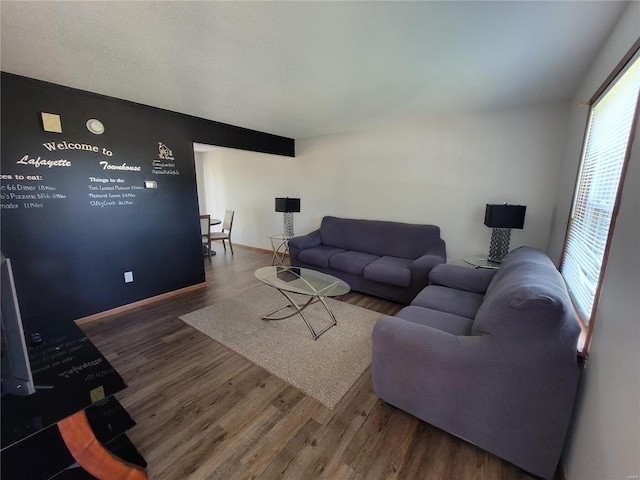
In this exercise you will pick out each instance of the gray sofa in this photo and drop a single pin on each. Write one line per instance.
(488, 356)
(387, 259)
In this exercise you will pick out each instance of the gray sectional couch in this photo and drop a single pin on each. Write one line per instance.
(391, 260)
(488, 356)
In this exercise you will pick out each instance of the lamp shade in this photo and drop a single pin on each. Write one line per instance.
(504, 216)
(287, 204)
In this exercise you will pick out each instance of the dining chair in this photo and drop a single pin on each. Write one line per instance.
(205, 232)
(225, 234)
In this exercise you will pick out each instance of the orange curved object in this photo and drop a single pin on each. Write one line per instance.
(91, 454)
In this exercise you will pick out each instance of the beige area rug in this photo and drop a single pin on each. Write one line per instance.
(325, 368)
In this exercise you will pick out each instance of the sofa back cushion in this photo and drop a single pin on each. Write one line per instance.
(521, 257)
(527, 300)
(403, 240)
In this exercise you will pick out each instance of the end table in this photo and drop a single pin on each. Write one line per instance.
(481, 262)
(280, 246)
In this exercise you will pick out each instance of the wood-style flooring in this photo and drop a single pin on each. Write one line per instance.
(204, 412)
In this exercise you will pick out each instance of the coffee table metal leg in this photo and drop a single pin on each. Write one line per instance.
(299, 310)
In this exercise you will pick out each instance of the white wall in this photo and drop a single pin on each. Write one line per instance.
(248, 183)
(604, 441)
(441, 172)
(200, 182)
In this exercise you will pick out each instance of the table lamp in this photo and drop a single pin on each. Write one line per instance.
(502, 218)
(288, 206)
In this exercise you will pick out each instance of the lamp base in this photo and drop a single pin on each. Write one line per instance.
(287, 224)
(499, 247)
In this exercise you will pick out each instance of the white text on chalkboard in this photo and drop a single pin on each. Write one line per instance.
(64, 145)
(124, 166)
(41, 162)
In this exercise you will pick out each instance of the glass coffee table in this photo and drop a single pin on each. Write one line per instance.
(302, 281)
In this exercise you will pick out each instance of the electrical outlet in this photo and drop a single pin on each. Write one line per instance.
(128, 277)
(242, 230)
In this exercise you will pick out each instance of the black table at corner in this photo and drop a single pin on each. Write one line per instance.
(71, 375)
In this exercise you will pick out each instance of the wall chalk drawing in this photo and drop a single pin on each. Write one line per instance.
(75, 211)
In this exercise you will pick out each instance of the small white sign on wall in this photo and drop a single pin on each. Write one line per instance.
(51, 122)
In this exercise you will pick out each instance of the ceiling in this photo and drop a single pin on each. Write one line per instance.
(301, 69)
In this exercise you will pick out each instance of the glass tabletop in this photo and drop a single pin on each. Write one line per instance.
(280, 236)
(302, 280)
(481, 262)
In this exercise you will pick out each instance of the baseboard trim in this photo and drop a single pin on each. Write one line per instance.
(249, 247)
(258, 249)
(140, 303)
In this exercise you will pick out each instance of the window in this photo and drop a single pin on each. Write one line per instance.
(606, 149)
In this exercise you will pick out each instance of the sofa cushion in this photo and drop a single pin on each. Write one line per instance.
(351, 262)
(525, 308)
(447, 322)
(528, 301)
(391, 270)
(450, 300)
(319, 256)
(377, 237)
(521, 257)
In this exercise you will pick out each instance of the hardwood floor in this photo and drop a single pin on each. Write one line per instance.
(204, 412)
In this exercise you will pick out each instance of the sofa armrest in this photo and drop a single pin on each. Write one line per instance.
(414, 363)
(303, 242)
(419, 344)
(462, 278)
(421, 266)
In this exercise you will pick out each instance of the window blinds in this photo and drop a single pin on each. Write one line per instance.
(604, 153)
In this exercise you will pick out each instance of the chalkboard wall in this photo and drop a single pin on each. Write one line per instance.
(76, 214)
